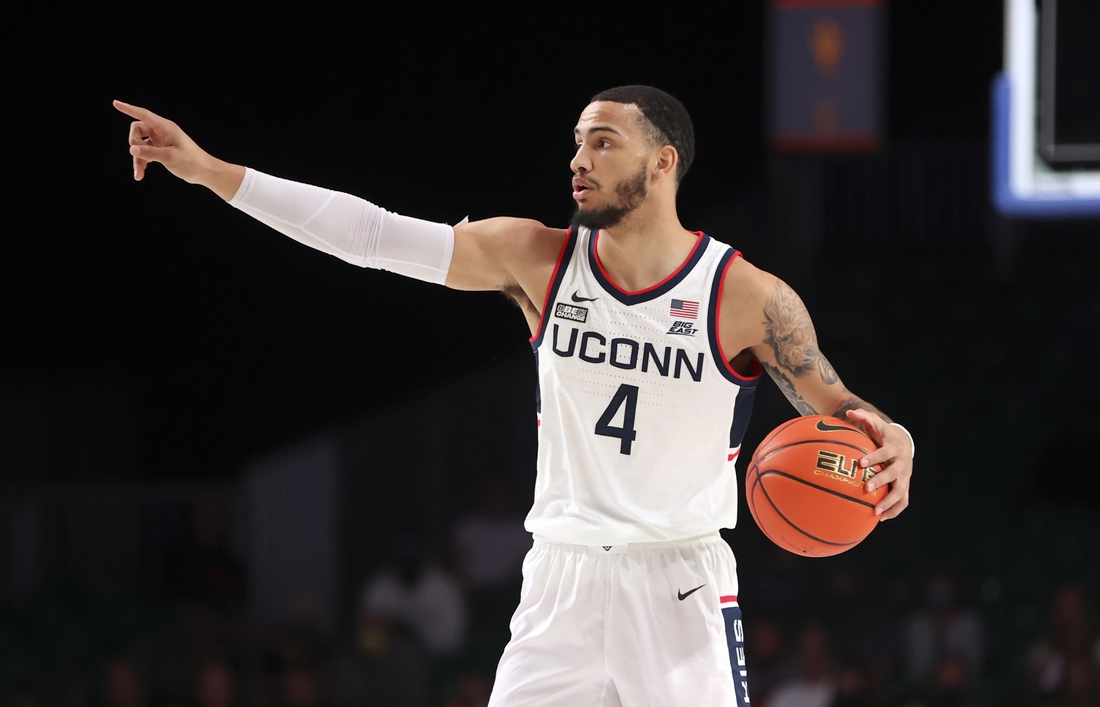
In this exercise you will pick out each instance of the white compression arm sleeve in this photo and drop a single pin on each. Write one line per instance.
(348, 227)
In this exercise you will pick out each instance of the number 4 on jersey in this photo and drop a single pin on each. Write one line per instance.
(626, 433)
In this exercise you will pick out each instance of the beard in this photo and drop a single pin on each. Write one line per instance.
(631, 192)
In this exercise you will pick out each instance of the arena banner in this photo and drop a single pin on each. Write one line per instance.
(826, 67)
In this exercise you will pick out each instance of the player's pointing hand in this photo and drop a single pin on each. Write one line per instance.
(157, 139)
(895, 454)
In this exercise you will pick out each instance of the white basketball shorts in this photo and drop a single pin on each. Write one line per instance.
(640, 625)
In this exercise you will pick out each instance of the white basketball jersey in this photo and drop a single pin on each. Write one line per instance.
(640, 415)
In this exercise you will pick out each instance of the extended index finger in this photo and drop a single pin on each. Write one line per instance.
(140, 113)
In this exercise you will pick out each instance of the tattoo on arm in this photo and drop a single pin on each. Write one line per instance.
(791, 336)
(785, 385)
(854, 403)
(828, 373)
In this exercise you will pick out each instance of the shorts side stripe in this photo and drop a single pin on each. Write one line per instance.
(735, 640)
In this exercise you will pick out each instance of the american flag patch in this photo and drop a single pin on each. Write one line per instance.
(684, 308)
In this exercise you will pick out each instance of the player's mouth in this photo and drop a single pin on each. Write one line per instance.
(581, 188)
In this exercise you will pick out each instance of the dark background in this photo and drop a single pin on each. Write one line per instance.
(220, 339)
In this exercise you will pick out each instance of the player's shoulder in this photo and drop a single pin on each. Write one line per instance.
(746, 286)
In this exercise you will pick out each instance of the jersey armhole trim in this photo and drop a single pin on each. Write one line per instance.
(720, 359)
(555, 282)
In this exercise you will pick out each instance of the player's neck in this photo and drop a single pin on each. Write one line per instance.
(647, 247)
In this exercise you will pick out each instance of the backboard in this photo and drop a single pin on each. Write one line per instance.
(1046, 110)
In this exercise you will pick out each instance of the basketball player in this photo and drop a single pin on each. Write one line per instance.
(649, 341)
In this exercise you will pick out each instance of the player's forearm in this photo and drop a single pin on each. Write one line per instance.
(789, 353)
(342, 225)
(852, 402)
(809, 403)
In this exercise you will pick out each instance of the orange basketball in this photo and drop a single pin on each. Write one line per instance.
(806, 490)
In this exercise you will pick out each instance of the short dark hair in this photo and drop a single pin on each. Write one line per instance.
(666, 120)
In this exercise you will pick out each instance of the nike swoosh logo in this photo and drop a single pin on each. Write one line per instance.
(688, 593)
(826, 427)
(577, 298)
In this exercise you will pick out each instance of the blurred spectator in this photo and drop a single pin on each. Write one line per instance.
(384, 668)
(861, 633)
(951, 684)
(492, 542)
(301, 687)
(26, 698)
(122, 685)
(260, 675)
(770, 662)
(472, 691)
(1081, 687)
(852, 689)
(813, 687)
(1070, 640)
(421, 596)
(304, 638)
(215, 685)
(206, 570)
(940, 630)
(276, 649)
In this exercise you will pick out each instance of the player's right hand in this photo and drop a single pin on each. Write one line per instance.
(157, 139)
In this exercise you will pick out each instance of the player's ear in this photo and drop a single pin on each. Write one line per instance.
(666, 161)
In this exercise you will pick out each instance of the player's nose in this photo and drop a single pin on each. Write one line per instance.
(580, 163)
